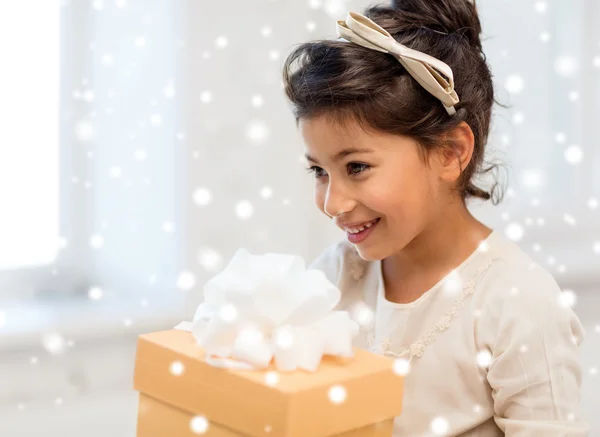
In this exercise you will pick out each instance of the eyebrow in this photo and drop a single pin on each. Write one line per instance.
(342, 154)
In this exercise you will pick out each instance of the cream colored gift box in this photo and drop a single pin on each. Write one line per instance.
(181, 395)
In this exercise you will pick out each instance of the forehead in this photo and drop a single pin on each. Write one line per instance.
(323, 131)
(323, 137)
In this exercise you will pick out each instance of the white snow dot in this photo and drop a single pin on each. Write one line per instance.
(284, 338)
(168, 227)
(565, 65)
(544, 36)
(573, 154)
(569, 219)
(596, 61)
(96, 241)
(169, 91)
(573, 96)
(186, 281)
(401, 366)
(121, 3)
(209, 258)
(222, 42)
(88, 95)
(274, 55)
(483, 246)
(127, 322)
(156, 119)
(532, 178)
(95, 293)
(484, 359)
(176, 368)
(115, 172)
(84, 131)
(53, 343)
(524, 348)
(58, 401)
(337, 394)
(453, 283)
(140, 155)
(257, 131)
(244, 209)
(34, 360)
(477, 409)
(362, 314)
(593, 203)
(514, 231)
(98, 4)
(228, 313)
(514, 291)
(518, 118)
(257, 101)
(140, 41)
(311, 26)
(266, 31)
(266, 192)
(567, 298)
(202, 196)
(541, 6)
(206, 96)
(440, 426)
(560, 137)
(272, 378)
(268, 428)
(536, 247)
(596, 247)
(514, 84)
(199, 425)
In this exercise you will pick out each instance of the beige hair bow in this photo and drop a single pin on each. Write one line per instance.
(424, 68)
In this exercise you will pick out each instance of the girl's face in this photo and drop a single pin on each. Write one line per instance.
(362, 176)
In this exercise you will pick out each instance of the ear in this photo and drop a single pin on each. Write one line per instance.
(454, 158)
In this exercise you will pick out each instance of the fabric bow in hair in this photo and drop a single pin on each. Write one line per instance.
(423, 68)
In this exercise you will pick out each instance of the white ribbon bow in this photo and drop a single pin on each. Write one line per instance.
(270, 306)
(424, 68)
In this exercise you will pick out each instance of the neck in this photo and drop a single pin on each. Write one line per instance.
(440, 247)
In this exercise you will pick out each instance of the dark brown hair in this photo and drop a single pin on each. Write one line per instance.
(343, 80)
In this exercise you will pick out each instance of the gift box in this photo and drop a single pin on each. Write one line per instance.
(181, 394)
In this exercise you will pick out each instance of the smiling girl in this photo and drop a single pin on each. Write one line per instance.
(395, 117)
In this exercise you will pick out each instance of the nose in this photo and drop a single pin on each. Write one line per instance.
(338, 199)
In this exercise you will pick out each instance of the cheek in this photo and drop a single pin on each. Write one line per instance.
(319, 197)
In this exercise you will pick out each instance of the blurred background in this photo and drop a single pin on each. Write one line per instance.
(144, 141)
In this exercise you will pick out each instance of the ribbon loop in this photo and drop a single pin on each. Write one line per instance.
(433, 75)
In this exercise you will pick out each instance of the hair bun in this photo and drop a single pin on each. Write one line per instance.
(448, 16)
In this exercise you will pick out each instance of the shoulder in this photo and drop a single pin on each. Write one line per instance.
(515, 275)
(518, 293)
(339, 260)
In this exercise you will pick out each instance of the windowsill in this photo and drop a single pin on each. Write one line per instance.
(79, 319)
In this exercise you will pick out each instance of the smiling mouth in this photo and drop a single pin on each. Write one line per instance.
(361, 228)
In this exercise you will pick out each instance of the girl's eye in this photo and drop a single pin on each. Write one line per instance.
(318, 171)
(355, 168)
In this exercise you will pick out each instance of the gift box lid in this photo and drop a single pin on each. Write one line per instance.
(343, 394)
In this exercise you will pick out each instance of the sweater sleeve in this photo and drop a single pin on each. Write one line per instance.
(534, 372)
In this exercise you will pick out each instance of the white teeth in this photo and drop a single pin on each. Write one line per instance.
(362, 228)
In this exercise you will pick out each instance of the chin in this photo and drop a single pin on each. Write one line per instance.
(372, 253)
